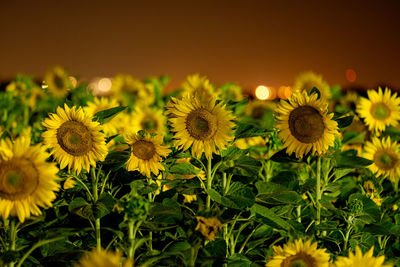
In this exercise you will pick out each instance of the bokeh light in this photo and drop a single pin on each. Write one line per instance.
(262, 92)
(284, 92)
(104, 85)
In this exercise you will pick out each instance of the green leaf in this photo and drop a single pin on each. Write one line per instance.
(179, 246)
(233, 152)
(270, 215)
(245, 130)
(183, 169)
(76, 204)
(344, 161)
(353, 137)
(104, 205)
(249, 166)
(282, 156)
(106, 115)
(339, 173)
(239, 196)
(345, 121)
(315, 90)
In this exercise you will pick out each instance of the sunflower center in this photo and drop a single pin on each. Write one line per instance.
(385, 160)
(257, 112)
(306, 124)
(143, 149)
(59, 82)
(201, 124)
(380, 111)
(18, 179)
(74, 138)
(300, 259)
(149, 124)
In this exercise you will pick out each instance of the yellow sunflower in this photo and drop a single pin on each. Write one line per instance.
(200, 85)
(200, 123)
(103, 258)
(305, 125)
(37, 93)
(149, 119)
(27, 181)
(257, 108)
(386, 157)
(380, 110)
(100, 104)
(349, 100)
(146, 153)
(232, 91)
(358, 259)
(57, 81)
(141, 93)
(208, 227)
(308, 80)
(75, 139)
(299, 254)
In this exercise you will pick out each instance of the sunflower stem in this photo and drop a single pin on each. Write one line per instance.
(318, 192)
(223, 182)
(95, 198)
(209, 183)
(131, 239)
(13, 238)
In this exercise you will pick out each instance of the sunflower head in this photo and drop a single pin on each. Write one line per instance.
(200, 85)
(380, 110)
(358, 259)
(148, 119)
(137, 91)
(57, 82)
(76, 140)
(306, 81)
(27, 181)
(299, 254)
(385, 155)
(146, 153)
(200, 123)
(257, 108)
(103, 258)
(305, 125)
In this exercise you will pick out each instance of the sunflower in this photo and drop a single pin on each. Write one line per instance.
(350, 100)
(57, 82)
(200, 85)
(386, 157)
(256, 108)
(381, 109)
(100, 104)
(358, 259)
(208, 227)
(299, 254)
(36, 94)
(27, 181)
(308, 80)
(76, 139)
(232, 91)
(200, 123)
(146, 153)
(103, 258)
(138, 91)
(305, 125)
(149, 119)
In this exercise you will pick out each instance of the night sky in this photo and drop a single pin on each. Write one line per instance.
(249, 42)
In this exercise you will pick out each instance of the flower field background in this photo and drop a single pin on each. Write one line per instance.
(202, 176)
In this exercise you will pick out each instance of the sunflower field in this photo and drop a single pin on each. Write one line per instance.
(122, 174)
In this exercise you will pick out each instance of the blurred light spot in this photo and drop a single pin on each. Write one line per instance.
(262, 92)
(73, 80)
(351, 75)
(104, 85)
(284, 92)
